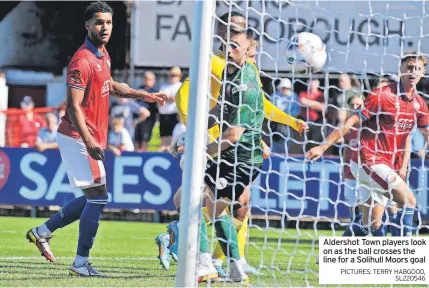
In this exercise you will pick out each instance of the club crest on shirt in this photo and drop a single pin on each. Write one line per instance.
(76, 77)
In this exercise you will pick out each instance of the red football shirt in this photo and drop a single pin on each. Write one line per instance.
(389, 118)
(313, 115)
(30, 129)
(89, 70)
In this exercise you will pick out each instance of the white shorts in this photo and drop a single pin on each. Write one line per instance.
(374, 181)
(351, 194)
(83, 171)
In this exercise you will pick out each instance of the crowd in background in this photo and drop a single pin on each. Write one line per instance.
(133, 122)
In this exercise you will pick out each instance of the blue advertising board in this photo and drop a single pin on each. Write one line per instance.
(289, 187)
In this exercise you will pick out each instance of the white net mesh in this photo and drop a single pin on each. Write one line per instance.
(294, 202)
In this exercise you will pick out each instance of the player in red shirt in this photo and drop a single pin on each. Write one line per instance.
(389, 115)
(82, 137)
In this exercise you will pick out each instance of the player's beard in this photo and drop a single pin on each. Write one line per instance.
(95, 39)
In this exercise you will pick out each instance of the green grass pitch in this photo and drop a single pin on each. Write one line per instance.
(126, 252)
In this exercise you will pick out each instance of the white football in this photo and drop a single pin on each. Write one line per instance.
(305, 51)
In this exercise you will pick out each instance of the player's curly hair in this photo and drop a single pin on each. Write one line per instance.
(97, 7)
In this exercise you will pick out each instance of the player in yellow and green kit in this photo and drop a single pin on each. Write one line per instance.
(271, 112)
(241, 110)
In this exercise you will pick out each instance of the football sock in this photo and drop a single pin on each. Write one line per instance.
(68, 214)
(88, 224)
(227, 235)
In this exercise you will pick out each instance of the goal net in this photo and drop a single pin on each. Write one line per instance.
(293, 202)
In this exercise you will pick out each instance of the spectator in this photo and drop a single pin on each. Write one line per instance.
(343, 96)
(179, 128)
(119, 138)
(384, 81)
(144, 128)
(418, 149)
(313, 107)
(286, 100)
(47, 138)
(168, 112)
(354, 104)
(29, 123)
(128, 109)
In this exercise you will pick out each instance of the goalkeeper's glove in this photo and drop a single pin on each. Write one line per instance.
(176, 144)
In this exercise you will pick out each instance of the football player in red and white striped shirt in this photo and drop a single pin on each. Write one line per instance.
(82, 137)
(389, 115)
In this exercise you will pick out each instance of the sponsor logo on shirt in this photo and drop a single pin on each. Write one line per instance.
(242, 87)
(105, 89)
(404, 124)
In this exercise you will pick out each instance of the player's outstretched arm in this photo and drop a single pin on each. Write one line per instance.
(122, 90)
(271, 112)
(74, 102)
(316, 152)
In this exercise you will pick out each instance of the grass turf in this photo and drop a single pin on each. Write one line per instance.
(126, 252)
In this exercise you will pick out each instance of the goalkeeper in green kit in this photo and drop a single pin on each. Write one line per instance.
(240, 113)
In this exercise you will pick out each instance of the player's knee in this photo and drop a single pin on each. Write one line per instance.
(410, 201)
(95, 191)
(240, 212)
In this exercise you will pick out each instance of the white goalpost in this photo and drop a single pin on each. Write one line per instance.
(193, 172)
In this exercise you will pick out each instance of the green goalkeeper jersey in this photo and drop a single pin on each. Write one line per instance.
(242, 105)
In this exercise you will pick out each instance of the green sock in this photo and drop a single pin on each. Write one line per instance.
(204, 240)
(225, 230)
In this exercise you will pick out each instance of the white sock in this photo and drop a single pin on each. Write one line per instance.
(43, 231)
(205, 258)
(217, 262)
(79, 261)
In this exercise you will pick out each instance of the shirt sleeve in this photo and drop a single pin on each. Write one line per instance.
(181, 99)
(372, 104)
(79, 74)
(422, 116)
